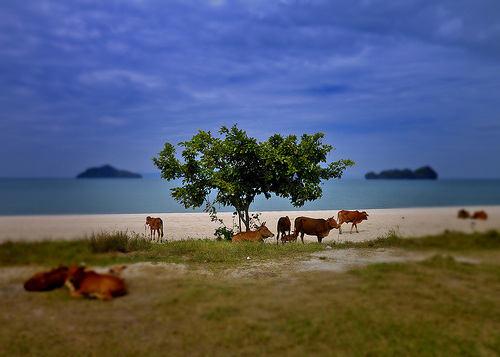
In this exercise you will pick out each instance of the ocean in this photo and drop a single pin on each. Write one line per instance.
(152, 195)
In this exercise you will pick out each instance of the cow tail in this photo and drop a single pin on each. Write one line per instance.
(161, 227)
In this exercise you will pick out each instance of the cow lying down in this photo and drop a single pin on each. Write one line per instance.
(253, 236)
(47, 280)
(90, 284)
(81, 283)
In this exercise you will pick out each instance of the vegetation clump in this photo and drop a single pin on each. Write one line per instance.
(120, 241)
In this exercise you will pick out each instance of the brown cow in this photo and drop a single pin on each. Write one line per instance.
(313, 226)
(463, 214)
(480, 215)
(155, 225)
(351, 216)
(284, 225)
(289, 238)
(90, 284)
(47, 280)
(253, 236)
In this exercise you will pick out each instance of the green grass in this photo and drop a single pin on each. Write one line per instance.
(440, 306)
(119, 247)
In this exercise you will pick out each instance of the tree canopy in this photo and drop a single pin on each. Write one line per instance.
(239, 168)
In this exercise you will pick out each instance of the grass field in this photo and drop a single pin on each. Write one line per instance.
(188, 299)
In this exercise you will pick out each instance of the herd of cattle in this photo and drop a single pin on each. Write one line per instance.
(303, 225)
(90, 284)
(464, 214)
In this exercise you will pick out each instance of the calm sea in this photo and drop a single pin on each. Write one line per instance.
(102, 196)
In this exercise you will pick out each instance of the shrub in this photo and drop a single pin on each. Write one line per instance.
(105, 242)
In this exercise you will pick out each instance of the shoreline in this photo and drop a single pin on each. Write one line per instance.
(406, 222)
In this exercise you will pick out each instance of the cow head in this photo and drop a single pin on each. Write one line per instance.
(74, 277)
(266, 233)
(117, 270)
(332, 223)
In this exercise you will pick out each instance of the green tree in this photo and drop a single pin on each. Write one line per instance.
(239, 168)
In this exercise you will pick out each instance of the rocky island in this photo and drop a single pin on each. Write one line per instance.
(423, 173)
(107, 171)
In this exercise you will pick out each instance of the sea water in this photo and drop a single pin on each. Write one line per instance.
(151, 195)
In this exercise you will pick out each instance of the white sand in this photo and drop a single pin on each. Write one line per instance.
(407, 222)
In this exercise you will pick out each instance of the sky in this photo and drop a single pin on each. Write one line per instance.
(392, 84)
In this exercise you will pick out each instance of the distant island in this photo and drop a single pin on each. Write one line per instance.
(107, 171)
(423, 173)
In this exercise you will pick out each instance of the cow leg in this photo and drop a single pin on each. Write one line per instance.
(302, 237)
(354, 225)
(320, 239)
(76, 294)
(340, 227)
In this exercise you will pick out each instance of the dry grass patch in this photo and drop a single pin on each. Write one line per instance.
(436, 307)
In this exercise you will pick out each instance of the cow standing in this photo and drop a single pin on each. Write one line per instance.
(314, 226)
(253, 236)
(284, 225)
(155, 225)
(351, 216)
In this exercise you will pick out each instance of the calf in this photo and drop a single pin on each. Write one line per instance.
(253, 236)
(284, 225)
(289, 238)
(90, 284)
(314, 226)
(47, 280)
(155, 225)
(351, 216)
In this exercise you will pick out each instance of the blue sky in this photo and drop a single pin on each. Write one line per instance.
(392, 84)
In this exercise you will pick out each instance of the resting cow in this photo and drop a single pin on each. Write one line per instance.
(314, 226)
(284, 225)
(463, 214)
(351, 216)
(480, 215)
(253, 236)
(289, 238)
(47, 280)
(90, 284)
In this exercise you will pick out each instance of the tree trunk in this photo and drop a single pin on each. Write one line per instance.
(245, 217)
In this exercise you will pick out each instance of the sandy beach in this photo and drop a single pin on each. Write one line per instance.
(407, 222)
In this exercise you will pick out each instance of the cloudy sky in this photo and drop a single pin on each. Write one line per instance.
(392, 84)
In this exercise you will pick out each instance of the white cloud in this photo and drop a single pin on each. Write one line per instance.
(115, 77)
